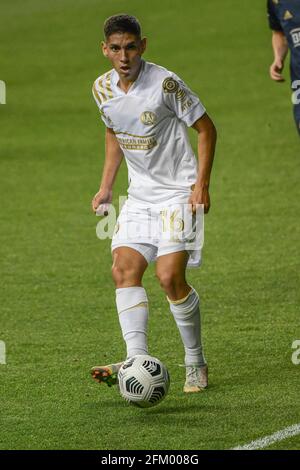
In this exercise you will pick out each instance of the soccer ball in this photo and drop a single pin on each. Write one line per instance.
(143, 380)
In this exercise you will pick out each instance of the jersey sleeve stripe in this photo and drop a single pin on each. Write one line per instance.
(102, 88)
(101, 91)
(96, 95)
(108, 85)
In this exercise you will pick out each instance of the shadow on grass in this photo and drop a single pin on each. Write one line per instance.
(163, 409)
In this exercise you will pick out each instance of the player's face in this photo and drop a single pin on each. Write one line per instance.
(124, 50)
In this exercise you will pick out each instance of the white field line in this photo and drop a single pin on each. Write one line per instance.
(268, 440)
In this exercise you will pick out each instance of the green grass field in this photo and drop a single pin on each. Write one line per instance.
(57, 298)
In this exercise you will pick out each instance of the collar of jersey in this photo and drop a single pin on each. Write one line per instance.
(115, 79)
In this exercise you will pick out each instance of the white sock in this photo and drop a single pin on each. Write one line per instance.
(186, 312)
(132, 306)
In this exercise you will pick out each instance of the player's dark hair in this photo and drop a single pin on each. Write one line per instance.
(121, 24)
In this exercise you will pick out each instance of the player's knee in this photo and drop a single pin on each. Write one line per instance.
(119, 274)
(123, 275)
(168, 280)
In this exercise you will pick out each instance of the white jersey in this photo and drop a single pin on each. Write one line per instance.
(150, 122)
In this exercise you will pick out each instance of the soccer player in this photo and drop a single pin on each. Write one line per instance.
(284, 20)
(146, 110)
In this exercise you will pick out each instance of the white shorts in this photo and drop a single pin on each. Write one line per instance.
(161, 229)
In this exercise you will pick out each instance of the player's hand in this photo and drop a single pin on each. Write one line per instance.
(200, 195)
(101, 201)
(276, 70)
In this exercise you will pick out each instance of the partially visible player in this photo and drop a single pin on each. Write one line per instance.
(284, 20)
(146, 110)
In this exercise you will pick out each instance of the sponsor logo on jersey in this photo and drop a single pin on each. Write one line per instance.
(170, 85)
(186, 105)
(148, 118)
(136, 142)
(295, 33)
(288, 15)
(180, 95)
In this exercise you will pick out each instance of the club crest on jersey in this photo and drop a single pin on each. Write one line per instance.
(170, 85)
(148, 118)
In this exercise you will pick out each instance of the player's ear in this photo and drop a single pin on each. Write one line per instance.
(143, 44)
(104, 49)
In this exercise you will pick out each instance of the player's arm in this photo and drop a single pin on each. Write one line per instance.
(113, 160)
(207, 137)
(279, 42)
(280, 49)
